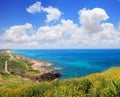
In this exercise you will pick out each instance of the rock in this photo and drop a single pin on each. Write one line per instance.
(44, 77)
(58, 68)
(48, 76)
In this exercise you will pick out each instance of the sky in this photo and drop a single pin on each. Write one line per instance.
(59, 24)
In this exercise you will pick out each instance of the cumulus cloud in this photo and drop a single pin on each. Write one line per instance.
(53, 13)
(89, 18)
(35, 8)
(55, 32)
(94, 32)
(18, 33)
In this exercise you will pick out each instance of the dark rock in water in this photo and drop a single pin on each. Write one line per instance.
(44, 77)
(48, 76)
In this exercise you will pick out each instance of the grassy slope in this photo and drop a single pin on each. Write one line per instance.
(105, 84)
(17, 67)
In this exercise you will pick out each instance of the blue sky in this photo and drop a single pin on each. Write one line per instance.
(66, 14)
(14, 11)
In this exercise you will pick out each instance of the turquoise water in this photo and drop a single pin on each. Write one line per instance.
(76, 63)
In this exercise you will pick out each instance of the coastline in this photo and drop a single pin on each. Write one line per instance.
(26, 67)
(76, 63)
(40, 65)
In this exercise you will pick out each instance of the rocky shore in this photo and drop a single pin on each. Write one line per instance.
(45, 73)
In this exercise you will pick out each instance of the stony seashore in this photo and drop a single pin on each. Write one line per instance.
(41, 66)
(45, 73)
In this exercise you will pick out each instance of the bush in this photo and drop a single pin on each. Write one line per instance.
(113, 90)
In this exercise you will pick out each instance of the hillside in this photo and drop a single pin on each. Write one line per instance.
(14, 64)
(105, 84)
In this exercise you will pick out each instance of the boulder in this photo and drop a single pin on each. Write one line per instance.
(48, 76)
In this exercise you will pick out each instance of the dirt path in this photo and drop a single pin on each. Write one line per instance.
(6, 68)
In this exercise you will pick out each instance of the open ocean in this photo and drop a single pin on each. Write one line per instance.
(76, 63)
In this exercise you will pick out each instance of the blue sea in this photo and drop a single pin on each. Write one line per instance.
(76, 62)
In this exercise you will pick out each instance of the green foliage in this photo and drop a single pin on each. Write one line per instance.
(1, 67)
(113, 90)
(4, 57)
(16, 66)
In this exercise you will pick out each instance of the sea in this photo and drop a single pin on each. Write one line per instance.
(76, 62)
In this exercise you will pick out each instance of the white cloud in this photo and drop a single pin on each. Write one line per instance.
(18, 33)
(53, 13)
(55, 32)
(36, 7)
(90, 18)
(93, 33)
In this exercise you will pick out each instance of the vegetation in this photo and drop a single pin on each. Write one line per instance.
(15, 65)
(105, 84)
